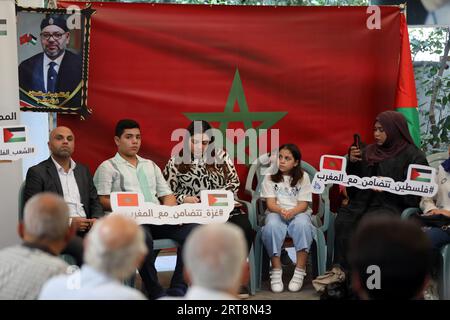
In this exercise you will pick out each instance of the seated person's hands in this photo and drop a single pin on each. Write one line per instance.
(191, 200)
(355, 154)
(82, 224)
(287, 213)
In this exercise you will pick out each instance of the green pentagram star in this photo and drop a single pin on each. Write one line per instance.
(268, 119)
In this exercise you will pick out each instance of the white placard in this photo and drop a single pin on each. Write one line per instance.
(420, 181)
(215, 206)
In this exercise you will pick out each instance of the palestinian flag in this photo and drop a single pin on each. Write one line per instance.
(127, 200)
(405, 97)
(421, 175)
(332, 163)
(14, 134)
(217, 200)
(2, 27)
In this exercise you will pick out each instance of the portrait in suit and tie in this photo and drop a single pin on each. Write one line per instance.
(52, 74)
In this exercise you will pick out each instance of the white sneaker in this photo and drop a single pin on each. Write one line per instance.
(276, 281)
(296, 282)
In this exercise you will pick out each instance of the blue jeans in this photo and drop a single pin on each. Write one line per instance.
(299, 228)
(438, 237)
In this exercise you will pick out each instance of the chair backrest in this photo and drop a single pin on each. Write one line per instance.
(435, 159)
(21, 200)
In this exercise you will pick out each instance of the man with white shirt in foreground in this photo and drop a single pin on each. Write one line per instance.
(215, 262)
(62, 175)
(114, 249)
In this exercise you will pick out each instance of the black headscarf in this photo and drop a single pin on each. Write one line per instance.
(398, 137)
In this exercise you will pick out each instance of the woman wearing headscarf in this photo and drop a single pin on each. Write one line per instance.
(390, 156)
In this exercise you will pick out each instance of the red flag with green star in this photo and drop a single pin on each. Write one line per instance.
(316, 74)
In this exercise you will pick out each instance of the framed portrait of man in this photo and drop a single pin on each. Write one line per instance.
(53, 59)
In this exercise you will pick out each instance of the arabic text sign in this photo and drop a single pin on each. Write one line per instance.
(215, 207)
(420, 180)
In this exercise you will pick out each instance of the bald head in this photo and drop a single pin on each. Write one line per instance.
(214, 256)
(61, 142)
(46, 217)
(116, 246)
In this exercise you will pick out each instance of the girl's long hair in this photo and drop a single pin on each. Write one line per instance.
(297, 172)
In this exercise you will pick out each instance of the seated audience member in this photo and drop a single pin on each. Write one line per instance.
(390, 156)
(438, 208)
(45, 232)
(114, 248)
(127, 171)
(203, 166)
(215, 262)
(390, 259)
(72, 181)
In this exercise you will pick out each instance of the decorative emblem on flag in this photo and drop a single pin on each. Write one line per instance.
(14, 134)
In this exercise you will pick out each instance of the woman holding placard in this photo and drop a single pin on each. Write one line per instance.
(202, 166)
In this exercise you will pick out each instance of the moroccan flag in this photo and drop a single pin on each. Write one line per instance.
(406, 98)
(217, 200)
(127, 200)
(316, 74)
(26, 38)
(420, 175)
(332, 163)
(16, 134)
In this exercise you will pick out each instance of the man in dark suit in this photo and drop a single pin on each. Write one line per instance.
(73, 181)
(56, 69)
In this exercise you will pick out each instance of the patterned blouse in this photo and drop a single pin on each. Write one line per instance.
(198, 177)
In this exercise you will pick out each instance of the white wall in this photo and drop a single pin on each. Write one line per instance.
(11, 173)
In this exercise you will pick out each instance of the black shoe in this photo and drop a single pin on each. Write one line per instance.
(243, 293)
(176, 291)
(285, 259)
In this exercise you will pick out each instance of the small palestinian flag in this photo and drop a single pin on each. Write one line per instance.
(127, 200)
(421, 175)
(14, 134)
(332, 163)
(28, 38)
(217, 200)
(2, 27)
